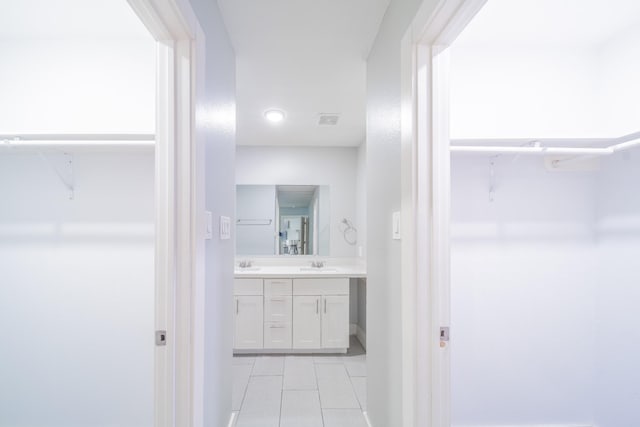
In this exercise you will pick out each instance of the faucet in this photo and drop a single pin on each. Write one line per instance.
(317, 264)
(244, 263)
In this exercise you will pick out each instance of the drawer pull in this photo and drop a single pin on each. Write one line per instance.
(277, 299)
(325, 306)
(277, 327)
(317, 301)
(237, 301)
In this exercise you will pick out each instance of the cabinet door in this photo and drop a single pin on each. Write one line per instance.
(335, 321)
(306, 321)
(248, 322)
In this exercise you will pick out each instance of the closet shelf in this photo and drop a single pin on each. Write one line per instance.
(540, 146)
(78, 140)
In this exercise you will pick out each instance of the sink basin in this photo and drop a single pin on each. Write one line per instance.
(319, 270)
(248, 268)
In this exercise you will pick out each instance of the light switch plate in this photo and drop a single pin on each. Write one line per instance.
(225, 228)
(208, 225)
(396, 225)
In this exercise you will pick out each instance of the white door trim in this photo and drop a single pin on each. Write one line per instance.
(179, 193)
(426, 199)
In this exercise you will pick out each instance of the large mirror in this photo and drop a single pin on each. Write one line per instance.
(282, 220)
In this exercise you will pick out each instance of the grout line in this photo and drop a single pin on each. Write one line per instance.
(366, 418)
(318, 387)
(281, 402)
(244, 395)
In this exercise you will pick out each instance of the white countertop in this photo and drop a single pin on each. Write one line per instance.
(301, 270)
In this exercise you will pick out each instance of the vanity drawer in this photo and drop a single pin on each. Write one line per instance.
(277, 308)
(277, 286)
(320, 286)
(247, 287)
(277, 335)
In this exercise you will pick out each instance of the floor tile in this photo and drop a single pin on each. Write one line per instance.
(243, 360)
(268, 365)
(343, 418)
(300, 409)
(241, 374)
(328, 359)
(299, 373)
(336, 391)
(360, 387)
(261, 405)
(356, 367)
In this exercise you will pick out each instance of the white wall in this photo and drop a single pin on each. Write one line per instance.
(619, 67)
(523, 279)
(215, 125)
(77, 291)
(332, 167)
(546, 91)
(77, 276)
(361, 201)
(77, 86)
(383, 184)
(617, 322)
(532, 92)
(544, 277)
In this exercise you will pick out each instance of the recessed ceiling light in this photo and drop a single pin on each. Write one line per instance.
(274, 116)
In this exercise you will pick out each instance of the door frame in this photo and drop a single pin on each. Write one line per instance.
(179, 195)
(426, 193)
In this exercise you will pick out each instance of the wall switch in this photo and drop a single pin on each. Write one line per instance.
(225, 228)
(396, 225)
(208, 225)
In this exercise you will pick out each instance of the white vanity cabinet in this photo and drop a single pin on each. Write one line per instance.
(291, 314)
(321, 313)
(248, 313)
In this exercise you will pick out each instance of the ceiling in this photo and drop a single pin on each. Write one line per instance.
(59, 19)
(295, 196)
(575, 23)
(305, 57)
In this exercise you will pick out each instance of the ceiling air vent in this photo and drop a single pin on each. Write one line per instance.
(328, 119)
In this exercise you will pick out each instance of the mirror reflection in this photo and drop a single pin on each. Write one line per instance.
(282, 220)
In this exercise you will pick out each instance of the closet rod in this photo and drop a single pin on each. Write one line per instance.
(529, 150)
(614, 145)
(88, 140)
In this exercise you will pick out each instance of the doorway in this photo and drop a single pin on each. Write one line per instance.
(91, 252)
(564, 174)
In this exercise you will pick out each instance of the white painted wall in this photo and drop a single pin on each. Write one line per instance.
(523, 280)
(383, 185)
(332, 167)
(215, 125)
(361, 202)
(537, 92)
(619, 67)
(77, 276)
(77, 85)
(617, 321)
(543, 279)
(77, 291)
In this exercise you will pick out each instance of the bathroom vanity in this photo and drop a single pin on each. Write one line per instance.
(292, 309)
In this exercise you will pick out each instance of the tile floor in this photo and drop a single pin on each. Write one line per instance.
(301, 390)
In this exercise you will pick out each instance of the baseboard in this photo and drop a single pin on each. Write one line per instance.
(232, 418)
(352, 329)
(362, 336)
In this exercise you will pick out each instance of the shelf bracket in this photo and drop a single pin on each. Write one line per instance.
(62, 165)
